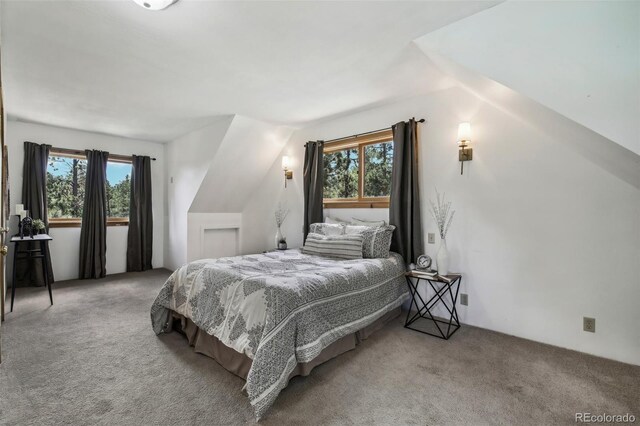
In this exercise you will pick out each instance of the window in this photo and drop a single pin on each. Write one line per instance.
(65, 186)
(357, 171)
(66, 175)
(341, 174)
(118, 190)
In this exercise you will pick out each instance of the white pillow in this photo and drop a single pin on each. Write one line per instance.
(326, 229)
(355, 229)
(372, 223)
(334, 221)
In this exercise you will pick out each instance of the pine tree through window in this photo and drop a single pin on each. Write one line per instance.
(357, 171)
(66, 176)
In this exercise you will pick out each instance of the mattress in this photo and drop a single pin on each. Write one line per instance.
(280, 309)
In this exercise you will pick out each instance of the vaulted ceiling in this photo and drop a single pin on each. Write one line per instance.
(113, 67)
(580, 58)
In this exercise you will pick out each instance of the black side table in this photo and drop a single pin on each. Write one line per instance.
(446, 294)
(36, 253)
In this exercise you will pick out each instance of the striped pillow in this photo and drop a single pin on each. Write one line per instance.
(336, 246)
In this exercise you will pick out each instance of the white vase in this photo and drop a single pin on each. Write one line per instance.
(442, 258)
(279, 237)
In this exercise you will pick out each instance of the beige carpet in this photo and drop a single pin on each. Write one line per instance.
(92, 358)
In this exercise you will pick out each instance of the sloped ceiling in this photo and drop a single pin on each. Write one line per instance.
(580, 59)
(602, 152)
(233, 175)
(113, 67)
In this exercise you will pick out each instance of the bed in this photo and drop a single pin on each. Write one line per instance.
(270, 316)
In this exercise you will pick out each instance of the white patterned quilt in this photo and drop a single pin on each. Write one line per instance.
(280, 308)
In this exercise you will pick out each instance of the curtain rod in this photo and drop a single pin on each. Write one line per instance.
(422, 120)
(82, 153)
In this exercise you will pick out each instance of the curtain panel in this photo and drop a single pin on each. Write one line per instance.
(313, 176)
(93, 234)
(140, 237)
(404, 200)
(34, 198)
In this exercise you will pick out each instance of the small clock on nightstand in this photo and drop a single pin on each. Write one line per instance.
(423, 262)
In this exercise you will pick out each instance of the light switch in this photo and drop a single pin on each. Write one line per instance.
(431, 238)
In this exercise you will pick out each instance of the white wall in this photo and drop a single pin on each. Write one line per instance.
(66, 241)
(258, 220)
(542, 236)
(188, 160)
(212, 235)
(215, 170)
(591, 48)
(247, 151)
(584, 142)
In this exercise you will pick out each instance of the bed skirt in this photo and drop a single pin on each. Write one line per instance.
(240, 364)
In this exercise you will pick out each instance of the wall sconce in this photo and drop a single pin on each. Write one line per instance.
(464, 138)
(288, 174)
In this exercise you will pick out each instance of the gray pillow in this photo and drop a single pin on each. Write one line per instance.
(326, 229)
(336, 246)
(377, 241)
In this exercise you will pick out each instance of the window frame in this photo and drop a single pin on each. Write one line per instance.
(359, 142)
(76, 222)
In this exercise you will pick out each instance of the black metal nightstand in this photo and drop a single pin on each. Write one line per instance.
(443, 292)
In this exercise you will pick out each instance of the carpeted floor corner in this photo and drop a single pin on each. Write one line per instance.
(92, 358)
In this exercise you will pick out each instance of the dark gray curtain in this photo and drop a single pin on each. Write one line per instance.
(34, 198)
(93, 234)
(140, 237)
(404, 203)
(313, 176)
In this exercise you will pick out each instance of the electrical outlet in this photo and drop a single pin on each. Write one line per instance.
(431, 238)
(464, 299)
(589, 324)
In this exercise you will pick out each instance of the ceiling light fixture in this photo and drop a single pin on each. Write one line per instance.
(155, 4)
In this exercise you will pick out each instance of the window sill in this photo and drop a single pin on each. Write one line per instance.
(77, 223)
(357, 204)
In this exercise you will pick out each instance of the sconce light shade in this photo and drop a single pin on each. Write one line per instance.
(464, 132)
(285, 162)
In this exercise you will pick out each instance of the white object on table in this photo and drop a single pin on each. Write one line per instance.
(20, 211)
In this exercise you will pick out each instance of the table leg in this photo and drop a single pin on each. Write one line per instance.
(13, 275)
(412, 291)
(454, 311)
(45, 266)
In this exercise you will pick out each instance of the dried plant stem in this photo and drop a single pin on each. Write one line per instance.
(442, 214)
(281, 215)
